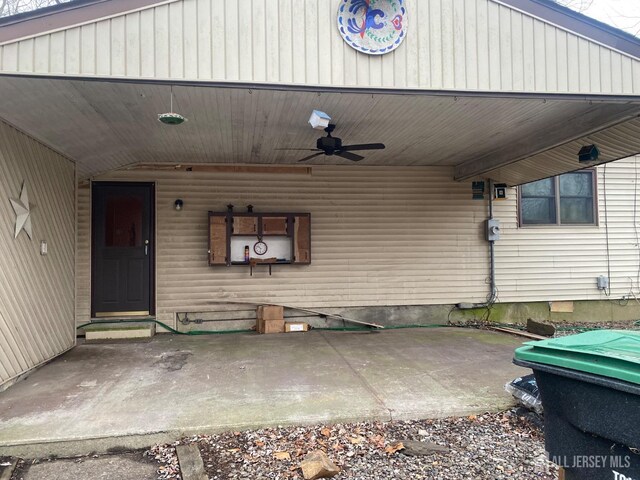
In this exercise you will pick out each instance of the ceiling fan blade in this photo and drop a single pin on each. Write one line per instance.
(364, 146)
(299, 149)
(311, 156)
(349, 156)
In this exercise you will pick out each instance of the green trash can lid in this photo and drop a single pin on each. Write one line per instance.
(610, 353)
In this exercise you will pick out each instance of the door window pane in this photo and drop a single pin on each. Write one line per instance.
(538, 211)
(123, 222)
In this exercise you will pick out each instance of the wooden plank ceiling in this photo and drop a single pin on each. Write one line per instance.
(104, 126)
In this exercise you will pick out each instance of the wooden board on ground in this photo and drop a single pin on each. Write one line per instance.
(334, 315)
(300, 309)
(520, 333)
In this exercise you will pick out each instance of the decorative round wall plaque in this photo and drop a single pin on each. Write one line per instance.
(374, 27)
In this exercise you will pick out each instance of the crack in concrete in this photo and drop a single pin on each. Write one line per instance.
(361, 377)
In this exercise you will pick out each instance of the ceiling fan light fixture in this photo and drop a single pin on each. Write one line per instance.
(331, 145)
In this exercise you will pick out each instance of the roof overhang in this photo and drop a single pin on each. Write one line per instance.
(108, 125)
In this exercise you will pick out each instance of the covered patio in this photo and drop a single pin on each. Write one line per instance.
(400, 229)
(104, 396)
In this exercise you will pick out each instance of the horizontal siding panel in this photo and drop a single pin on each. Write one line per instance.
(36, 292)
(380, 236)
(562, 263)
(451, 45)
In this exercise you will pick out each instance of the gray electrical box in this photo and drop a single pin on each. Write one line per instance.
(493, 230)
(603, 282)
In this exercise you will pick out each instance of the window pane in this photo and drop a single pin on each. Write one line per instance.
(123, 221)
(538, 211)
(576, 210)
(576, 184)
(541, 188)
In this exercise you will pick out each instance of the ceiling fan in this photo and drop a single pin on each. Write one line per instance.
(333, 146)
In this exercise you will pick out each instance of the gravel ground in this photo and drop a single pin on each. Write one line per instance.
(562, 328)
(491, 446)
(571, 328)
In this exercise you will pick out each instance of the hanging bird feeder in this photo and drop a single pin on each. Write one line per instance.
(171, 118)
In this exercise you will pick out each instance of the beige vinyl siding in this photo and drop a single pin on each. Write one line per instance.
(36, 292)
(562, 262)
(83, 254)
(380, 236)
(474, 45)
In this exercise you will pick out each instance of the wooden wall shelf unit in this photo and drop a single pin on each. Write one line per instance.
(287, 236)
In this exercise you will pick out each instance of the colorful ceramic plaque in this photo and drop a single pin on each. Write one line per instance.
(374, 27)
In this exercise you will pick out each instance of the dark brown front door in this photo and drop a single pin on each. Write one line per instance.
(122, 249)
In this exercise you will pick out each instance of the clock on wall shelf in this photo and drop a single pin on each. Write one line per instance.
(257, 239)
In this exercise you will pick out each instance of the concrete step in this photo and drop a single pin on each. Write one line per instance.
(119, 331)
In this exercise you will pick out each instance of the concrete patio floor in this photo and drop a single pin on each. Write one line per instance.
(105, 396)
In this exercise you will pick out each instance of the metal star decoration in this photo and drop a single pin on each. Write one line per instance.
(23, 212)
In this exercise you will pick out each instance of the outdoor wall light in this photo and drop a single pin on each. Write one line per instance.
(178, 204)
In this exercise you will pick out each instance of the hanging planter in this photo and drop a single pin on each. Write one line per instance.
(171, 118)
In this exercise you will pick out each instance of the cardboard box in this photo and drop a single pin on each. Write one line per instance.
(296, 327)
(270, 312)
(270, 319)
(272, 326)
(259, 325)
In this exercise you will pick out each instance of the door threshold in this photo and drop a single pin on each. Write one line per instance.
(140, 313)
(123, 318)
